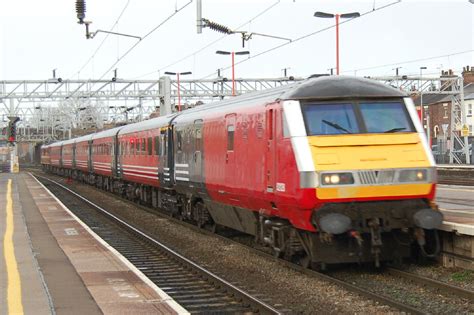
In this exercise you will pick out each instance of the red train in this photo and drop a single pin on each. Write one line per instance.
(327, 170)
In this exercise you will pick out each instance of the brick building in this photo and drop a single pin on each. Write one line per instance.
(437, 108)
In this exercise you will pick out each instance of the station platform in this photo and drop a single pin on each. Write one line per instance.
(457, 205)
(51, 263)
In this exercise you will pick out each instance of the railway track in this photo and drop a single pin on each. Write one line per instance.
(441, 286)
(195, 288)
(381, 298)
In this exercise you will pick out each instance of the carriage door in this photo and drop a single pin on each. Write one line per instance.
(165, 171)
(61, 156)
(116, 156)
(270, 148)
(73, 163)
(196, 168)
(89, 155)
(230, 170)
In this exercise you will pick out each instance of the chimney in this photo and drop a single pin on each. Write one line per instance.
(468, 74)
(446, 84)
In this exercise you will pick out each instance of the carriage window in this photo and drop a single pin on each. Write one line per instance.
(230, 138)
(164, 146)
(157, 145)
(150, 146)
(143, 146)
(198, 139)
(179, 140)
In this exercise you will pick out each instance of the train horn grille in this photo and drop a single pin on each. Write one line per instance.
(376, 177)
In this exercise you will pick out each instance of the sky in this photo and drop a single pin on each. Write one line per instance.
(39, 36)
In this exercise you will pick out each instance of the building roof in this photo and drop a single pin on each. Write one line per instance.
(433, 98)
(469, 96)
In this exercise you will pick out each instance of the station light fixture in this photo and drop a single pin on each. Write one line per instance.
(233, 53)
(178, 74)
(325, 15)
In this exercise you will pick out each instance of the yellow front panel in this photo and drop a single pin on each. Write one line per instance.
(367, 151)
(373, 191)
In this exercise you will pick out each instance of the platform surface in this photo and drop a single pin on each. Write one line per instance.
(51, 263)
(457, 205)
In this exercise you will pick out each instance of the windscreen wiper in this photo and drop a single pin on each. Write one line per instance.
(336, 126)
(394, 130)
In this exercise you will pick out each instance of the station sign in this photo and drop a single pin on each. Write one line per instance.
(465, 131)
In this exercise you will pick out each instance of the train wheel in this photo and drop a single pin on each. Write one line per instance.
(213, 228)
(305, 262)
(201, 215)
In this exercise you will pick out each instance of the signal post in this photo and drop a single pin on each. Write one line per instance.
(11, 138)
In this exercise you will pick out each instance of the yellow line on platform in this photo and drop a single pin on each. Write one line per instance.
(15, 305)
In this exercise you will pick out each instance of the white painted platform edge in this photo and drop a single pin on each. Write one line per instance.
(166, 298)
(460, 228)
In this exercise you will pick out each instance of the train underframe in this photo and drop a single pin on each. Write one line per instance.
(380, 231)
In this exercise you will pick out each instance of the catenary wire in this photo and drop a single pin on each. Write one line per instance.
(103, 41)
(303, 37)
(210, 44)
(144, 37)
(411, 61)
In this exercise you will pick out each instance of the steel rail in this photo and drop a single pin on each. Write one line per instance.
(457, 291)
(261, 305)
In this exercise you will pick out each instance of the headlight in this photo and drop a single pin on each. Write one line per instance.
(414, 175)
(337, 179)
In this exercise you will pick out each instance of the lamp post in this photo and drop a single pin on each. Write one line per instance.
(325, 15)
(233, 53)
(421, 107)
(177, 78)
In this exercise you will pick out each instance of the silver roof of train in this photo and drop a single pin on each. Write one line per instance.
(330, 87)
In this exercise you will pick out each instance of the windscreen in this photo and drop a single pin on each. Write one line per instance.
(356, 117)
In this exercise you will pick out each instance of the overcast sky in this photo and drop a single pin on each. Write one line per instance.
(38, 36)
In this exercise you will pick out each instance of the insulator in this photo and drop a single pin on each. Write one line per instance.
(81, 10)
(217, 27)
